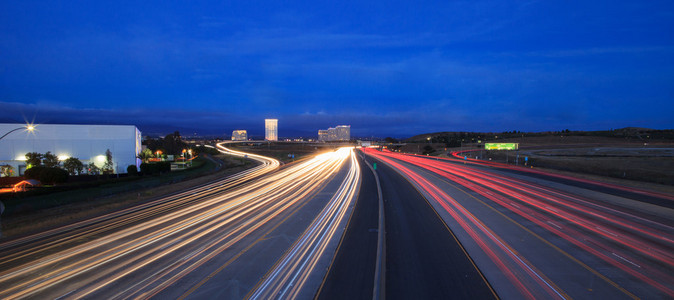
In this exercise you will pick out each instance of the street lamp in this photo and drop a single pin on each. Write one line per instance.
(28, 127)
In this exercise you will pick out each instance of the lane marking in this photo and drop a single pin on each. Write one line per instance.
(452, 234)
(625, 259)
(606, 279)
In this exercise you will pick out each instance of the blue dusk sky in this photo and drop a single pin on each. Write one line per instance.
(387, 68)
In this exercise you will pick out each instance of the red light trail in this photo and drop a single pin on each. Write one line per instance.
(625, 240)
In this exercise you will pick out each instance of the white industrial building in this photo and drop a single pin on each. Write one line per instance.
(88, 143)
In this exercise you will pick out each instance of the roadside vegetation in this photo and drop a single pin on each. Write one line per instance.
(574, 151)
(40, 209)
(72, 190)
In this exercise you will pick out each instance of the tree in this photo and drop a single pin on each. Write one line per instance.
(173, 144)
(50, 160)
(7, 170)
(33, 159)
(93, 169)
(108, 166)
(145, 155)
(73, 165)
(428, 149)
(34, 172)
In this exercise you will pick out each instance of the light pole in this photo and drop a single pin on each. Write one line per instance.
(28, 127)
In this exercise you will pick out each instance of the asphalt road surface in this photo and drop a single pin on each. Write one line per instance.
(423, 259)
(536, 238)
(217, 241)
(351, 275)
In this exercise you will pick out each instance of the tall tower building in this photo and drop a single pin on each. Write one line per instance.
(271, 129)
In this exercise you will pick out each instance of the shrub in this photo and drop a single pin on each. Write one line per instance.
(53, 175)
(34, 172)
(147, 168)
(47, 175)
(132, 170)
(155, 168)
(164, 166)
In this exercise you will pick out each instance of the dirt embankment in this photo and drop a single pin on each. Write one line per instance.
(608, 157)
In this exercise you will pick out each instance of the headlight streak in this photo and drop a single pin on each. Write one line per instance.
(142, 211)
(542, 206)
(290, 274)
(222, 220)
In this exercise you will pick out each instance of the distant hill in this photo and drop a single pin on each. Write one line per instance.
(452, 138)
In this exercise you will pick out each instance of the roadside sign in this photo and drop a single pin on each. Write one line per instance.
(501, 146)
(465, 158)
(374, 165)
(526, 158)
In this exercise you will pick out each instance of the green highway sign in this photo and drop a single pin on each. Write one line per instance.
(501, 146)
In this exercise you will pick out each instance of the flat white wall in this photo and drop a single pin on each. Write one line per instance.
(86, 142)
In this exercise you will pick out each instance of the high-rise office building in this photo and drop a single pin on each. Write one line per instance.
(332, 134)
(343, 132)
(239, 135)
(271, 129)
(322, 135)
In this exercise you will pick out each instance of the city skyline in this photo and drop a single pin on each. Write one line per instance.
(209, 68)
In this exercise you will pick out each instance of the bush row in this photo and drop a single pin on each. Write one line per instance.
(155, 168)
(47, 175)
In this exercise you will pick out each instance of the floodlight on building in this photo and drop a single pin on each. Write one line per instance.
(28, 127)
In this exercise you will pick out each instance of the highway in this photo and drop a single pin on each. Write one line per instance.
(534, 237)
(264, 230)
(422, 259)
(352, 273)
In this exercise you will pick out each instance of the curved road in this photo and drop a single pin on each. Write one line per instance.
(175, 247)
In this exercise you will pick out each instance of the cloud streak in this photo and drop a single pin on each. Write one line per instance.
(385, 68)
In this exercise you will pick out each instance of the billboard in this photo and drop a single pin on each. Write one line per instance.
(501, 146)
